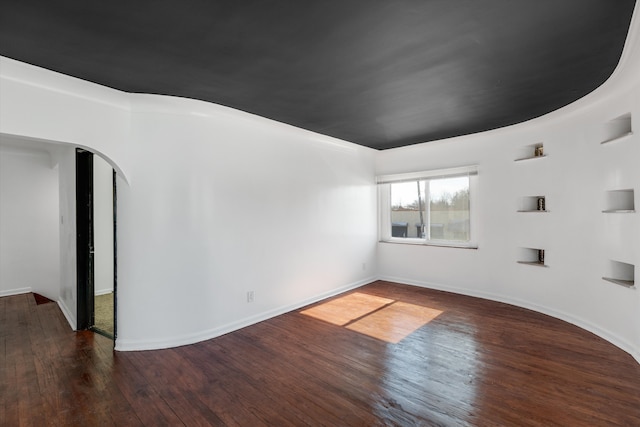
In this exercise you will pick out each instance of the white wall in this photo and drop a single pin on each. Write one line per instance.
(578, 238)
(186, 260)
(102, 226)
(29, 247)
(224, 203)
(65, 156)
(185, 263)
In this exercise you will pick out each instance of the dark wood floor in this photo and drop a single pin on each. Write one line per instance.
(476, 363)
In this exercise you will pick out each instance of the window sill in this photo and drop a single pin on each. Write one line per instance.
(417, 242)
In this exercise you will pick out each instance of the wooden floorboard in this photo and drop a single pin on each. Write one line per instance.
(477, 363)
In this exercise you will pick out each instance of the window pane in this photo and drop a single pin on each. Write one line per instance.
(449, 208)
(407, 209)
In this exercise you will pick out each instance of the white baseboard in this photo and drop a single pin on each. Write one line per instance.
(17, 291)
(71, 318)
(134, 345)
(579, 322)
(103, 292)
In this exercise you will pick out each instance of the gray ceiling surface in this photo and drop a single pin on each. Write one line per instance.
(378, 73)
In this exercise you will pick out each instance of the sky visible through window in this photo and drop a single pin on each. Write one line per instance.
(406, 193)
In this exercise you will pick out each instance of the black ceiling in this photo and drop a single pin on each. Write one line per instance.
(378, 73)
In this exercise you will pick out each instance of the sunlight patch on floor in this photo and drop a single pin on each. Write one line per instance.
(381, 318)
(348, 308)
(394, 322)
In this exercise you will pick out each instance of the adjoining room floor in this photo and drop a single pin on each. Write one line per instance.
(383, 354)
(103, 313)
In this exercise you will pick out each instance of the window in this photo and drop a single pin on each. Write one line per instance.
(431, 207)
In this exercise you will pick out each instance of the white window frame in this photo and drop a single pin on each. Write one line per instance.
(384, 206)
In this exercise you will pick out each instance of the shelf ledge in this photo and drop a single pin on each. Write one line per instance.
(530, 158)
(533, 211)
(625, 283)
(617, 138)
(534, 263)
(619, 211)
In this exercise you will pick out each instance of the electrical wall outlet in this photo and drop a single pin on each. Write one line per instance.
(250, 296)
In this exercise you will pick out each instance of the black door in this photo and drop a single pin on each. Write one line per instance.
(84, 248)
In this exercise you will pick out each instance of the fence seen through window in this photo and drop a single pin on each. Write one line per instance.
(431, 209)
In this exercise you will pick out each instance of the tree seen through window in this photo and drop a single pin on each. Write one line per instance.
(437, 206)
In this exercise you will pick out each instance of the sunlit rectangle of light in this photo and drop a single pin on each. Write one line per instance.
(395, 322)
(343, 310)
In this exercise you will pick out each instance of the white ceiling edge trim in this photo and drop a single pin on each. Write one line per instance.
(625, 75)
(152, 103)
(43, 78)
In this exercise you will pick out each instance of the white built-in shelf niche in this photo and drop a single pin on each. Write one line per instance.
(536, 204)
(618, 129)
(529, 152)
(620, 273)
(531, 256)
(619, 201)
